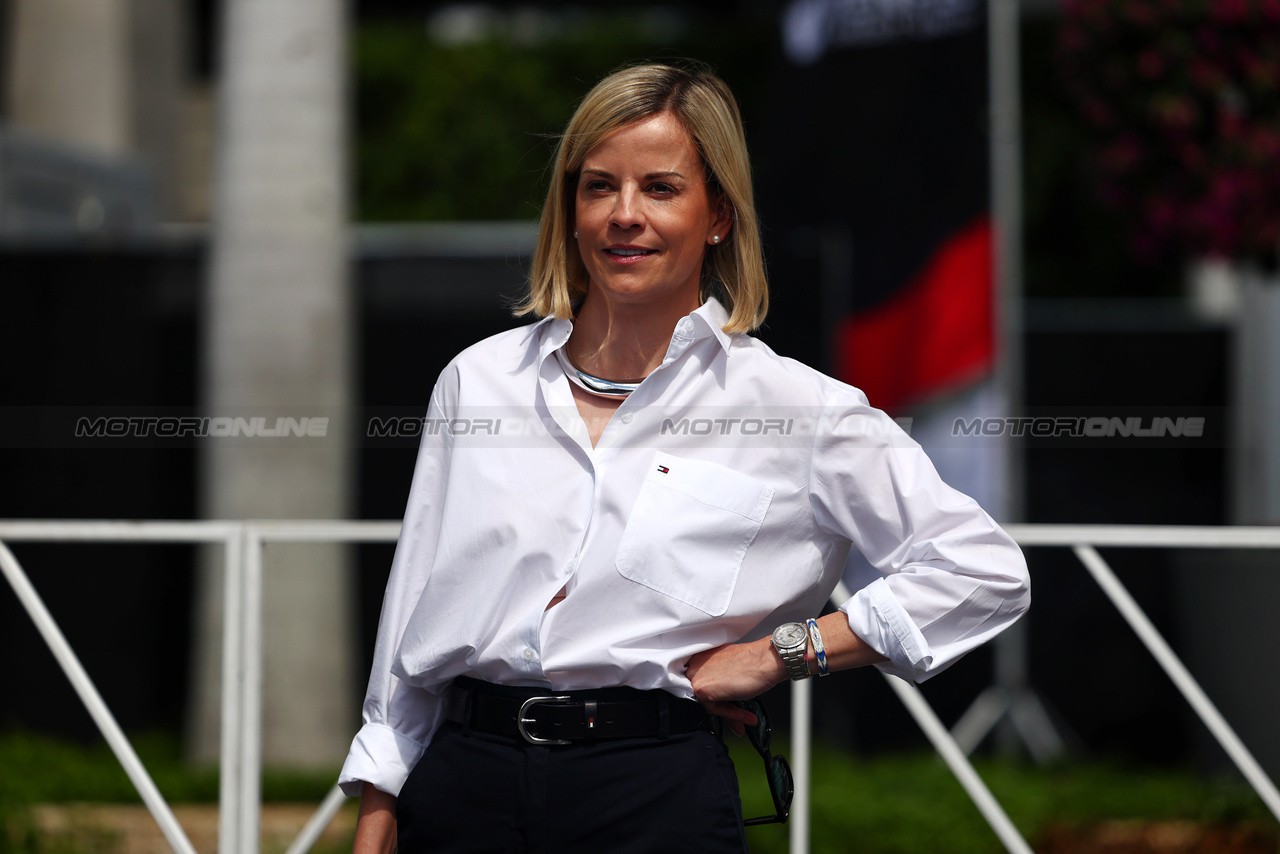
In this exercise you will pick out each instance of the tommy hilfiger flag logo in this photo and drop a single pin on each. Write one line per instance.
(663, 469)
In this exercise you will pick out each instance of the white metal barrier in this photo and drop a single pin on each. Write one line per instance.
(240, 761)
(241, 757)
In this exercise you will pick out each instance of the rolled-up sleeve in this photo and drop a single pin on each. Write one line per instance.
(399, 719)
(943, 577)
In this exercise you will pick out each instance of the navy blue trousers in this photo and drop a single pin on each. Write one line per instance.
(486, 794)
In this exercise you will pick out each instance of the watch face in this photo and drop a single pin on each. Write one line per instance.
(789, 635)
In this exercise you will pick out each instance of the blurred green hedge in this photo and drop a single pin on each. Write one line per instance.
(891, 804)
(465, 131)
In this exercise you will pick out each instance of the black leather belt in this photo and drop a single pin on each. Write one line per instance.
(542, 716)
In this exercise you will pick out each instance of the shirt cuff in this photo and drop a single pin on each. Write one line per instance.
(883, 624)
(381, 756)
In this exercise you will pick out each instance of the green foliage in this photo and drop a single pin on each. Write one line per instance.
(902, 804)
(1076, 246)
(465, 132)
(450, 133)
(912, 803)
(36, 769)
(42, 769)
(1182, 100)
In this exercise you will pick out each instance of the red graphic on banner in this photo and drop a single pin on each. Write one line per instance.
(935, 334)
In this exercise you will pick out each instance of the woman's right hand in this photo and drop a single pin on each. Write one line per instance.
(735, 671)
(376, 826)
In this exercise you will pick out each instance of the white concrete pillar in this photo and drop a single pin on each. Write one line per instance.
(278, 341)
(1256, 449)
(1227, 597)
(159, 86)
(70, 70)
(107, 77)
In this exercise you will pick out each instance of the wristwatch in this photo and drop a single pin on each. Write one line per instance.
(791, 640)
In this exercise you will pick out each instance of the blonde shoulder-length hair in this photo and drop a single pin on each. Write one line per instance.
(733, 269)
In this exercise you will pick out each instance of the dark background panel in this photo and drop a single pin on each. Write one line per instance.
(120, 328)
(98, 328)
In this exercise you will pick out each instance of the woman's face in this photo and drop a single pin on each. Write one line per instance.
(643, 215)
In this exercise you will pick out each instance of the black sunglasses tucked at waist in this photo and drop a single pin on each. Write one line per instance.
(544, 716)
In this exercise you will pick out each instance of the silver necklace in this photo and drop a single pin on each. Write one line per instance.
(594, 384)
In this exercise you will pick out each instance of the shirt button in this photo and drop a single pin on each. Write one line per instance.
(685, 327)
(529, 654)
(626, 417)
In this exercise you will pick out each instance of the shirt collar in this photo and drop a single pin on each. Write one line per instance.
(707, 319)
(552, 333)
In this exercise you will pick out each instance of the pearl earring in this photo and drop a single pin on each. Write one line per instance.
(715, 238)
(575, 235)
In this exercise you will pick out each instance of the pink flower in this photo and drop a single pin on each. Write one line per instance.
(1098, 113)
(1248, 61)
(1140, 13)
(1122, 154)
(1224, 190)
(1073, 38)
(1150, 65)
(1229, 11)
(1208, 38)
(1263, 72)
(1265, 143)
(1204, 74)
(1183, 100)
(1112, 195)
(1161, 212)
(1192, 156)
(1229, 124)
(1269, 233)
(1177, 113)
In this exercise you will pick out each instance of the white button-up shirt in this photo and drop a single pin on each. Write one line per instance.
(721, 500)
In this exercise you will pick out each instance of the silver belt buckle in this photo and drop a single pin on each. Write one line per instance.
(528, 704)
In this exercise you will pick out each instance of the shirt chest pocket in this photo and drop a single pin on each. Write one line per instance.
(689, 530)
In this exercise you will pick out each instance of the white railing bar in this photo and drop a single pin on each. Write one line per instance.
(211, 531)
(244, 819)
(1159, 536)
(950, 752)
(232, 676)
(323, 816)
(960, 766)
(1181, 677)
(326, 531)
(801, 752)
(251, 696)
(309, 530)
(93, 702)
(293, 530)
(981, 717)
(239, 788)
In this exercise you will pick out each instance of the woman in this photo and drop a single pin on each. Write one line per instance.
(654, 501)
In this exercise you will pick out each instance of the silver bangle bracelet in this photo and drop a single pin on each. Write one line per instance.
(819, 651)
